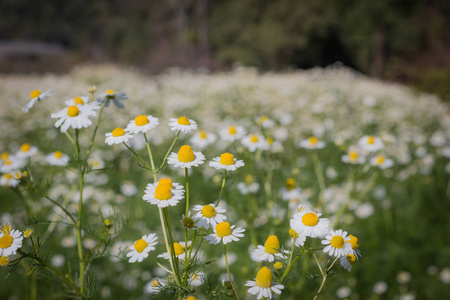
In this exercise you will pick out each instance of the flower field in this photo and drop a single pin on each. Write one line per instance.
(319, 184)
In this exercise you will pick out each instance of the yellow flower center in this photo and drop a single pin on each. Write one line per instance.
(35, 93)
(109, 92)
(140, 245)
(73, 111)
(353, 155)
(183, 121)
(293, 234)
(118, 132)
(188, 222)
(7, 228)
(185, 154)
(191, 298)
(270, 141)
(351, 258)
(380, 159)
(6, 241)
(154, 282)
(263, 118)
(107, 222)
(223, 229)
(254, 139)
(248, 179)
(58, 154)
(278, 265)
(208, 211)
(227, 159)
(290, 184)
(232, 130)
(165, 182)
(310, 219)
(78, 100)
(8, 176)
(313, 140)
(163, 192)
(353, 241)
(4, 155)
(203, 135)
(25, 147)
(8, 162)
(337, 241)
(28, 233)
(272, 245)
(178, 249)
(141, 120)
(371, 140)
(4, 261)
(264, 278)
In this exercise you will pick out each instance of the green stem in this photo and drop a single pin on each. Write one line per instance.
(222, 187)
(291, 264)
(150, 155)
(168, 152)
(88, 152)
(228, 270)
(324, 278)
(80, 214)
(137, 155)
(186, 173)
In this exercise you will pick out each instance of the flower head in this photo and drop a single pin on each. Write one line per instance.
(203, 139)
(141, 248)
(179, 249)
(182, 124)
(232, 133)
(353, 157)
(249, 186)
(226, 161)
(57, 158)
(117, 136)
(309, 223)
(347, 261)
(209, 215)
(263, 285)
(381, 162)
(164, 193)
(186, 158)
(336, 243)
(370, 143)
(226, 233)
(10, 240)
(26, 150)
(269, 251)
(142, 123)
(312, 143)
(35, 96)
(74, 116)
(115, 97)
(255, 141)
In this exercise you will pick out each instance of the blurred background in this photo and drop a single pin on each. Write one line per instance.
(407, 41)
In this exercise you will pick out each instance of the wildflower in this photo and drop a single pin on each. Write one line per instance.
(57, 158)
(299, 239)
(75, 116)
(9, 180)
(35, 96)
(11, 163)
(336, 243)
(10, 240)
(254, 141)
(28, 233)
(354, 244)
(142, 123)
(263, 285)
(182, 124)
(278, 265)
(117, 136)
(203, 139)
(380, 287)
(187, 222)
(115, 97)
(154, 286)
(312, 143)
(347, 261)
(179, 249)
(209, 215)
(226, 161)
(353, 157)
(83, 100)
(290, 191)
(249, 186)
(128, 188)
(370, 143)
(196, 280)
(226, 233)
(26, 150)
(142, 247)
(269, 251)
(164, 193)
(191, 298)
(308, 223)
(185, 158)
(381, 162)
(232, 133)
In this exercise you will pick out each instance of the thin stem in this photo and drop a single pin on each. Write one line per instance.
(228, 270)
(88, 152)
(164, 268)
(150, 155)
(137, 155)
(166, 241)
(292, 251)
(290, 265)
(222, 187)
(186, 173)
(324, 278)
(168, 152)
(80, 214)
(172, 248)
(318, 264)
(79, 292)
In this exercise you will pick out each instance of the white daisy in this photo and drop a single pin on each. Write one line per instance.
(347, 261)
(83, 100)
(182, 124)
(11, 163)
(10, 241)
(26, 150)
(154, 286)
(249, 186)
(208, 215)
(226, 233)
(232, 133)
(289, 191)
(141, 248)
(4, 261)
(312, 143)
(308, 223)
(196, 280)
(353, 157)
(203, 139)
(186, 158)
(179, 249)
(142, 123)
(35, 96)
(381, 162)
(265, 122)
(336, 243)
(117, 136)
(9, 179)
(355, 244)
(274, 146)
(254, 141)
(164, 193)
(226, 161)
(75, 116)
(57, 158)
(370, 143)
(115, 97)
(269, 251)
(299, 239)
(263, 285)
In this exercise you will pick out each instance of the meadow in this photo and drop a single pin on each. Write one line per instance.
(297, 161)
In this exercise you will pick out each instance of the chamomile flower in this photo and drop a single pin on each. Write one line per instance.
(263, 285)
(141, 248)
(208, 215)
(164, 193)
(142, 123)
(182, 124)
(179, 249)
(11, 163)
(255, 141)
(186, 158)
(336, 243)
(225, 233)
(35, 96)
(290, 191)
(4, 261)
(83, 100)
(26, 150)
(196, 280)
(226, 161)
(354, 244)
(10, 240)
(74, 116)
(154, 286)
(249, 186)
(117, 136)
(347, 261)
(57, 158)
(187, 222)
(9, 179)
(353, 157)
(312, 143)
(115, 97)
(269, 251)
(381, 162)
(299, 239)
(309, 223)
(265, 122)
(232, 133)
(370, 143)
(203, 139)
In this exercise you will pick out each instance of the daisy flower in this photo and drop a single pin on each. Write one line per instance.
(263, 285)
(299, 239)
(182, 124)
(196, 280)
(249, 186)
(290, 191)
(203, 139)
(75, 116)
(187, 222)
(26, 150)
(355, 244)
(142, 123)
(154, 286)
(353, 157)
(208, 215)
(11, 163)
(381, 162)
(115, 97)
(83, 100)
(186, 158)
(347, 261)
(142, 247)
(9, 179)
(265, 122)
(179, 249)
(269, 251)
(35, 96)
(274, 146)
(57, 158)
(226, 161)
(164, 193)
(10, 241)
(117, 136)
(226, 233)
(312, 143)
(232, 133)
(254, 141)
(308, 223)
(336, 243)
(4, 261)
(370, 143)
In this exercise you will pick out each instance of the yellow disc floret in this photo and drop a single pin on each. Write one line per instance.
(4, 261)
(313, 140)
(183, 121)
(270, 141)
(118, 132)
(353, 155)
(163, 192)
(35, 94)
(351, 259)
(25, 147)
(140, 245)
(178, 249)
(58, 154)
(73, 111)
(353, 241)
(191, 298)
(310, 219)
(78, 100)
(109, 92)
(208, 211)
(232, 130)
(272, 245)
(165, 182)
(293, 234)
(7, 228)
(290, 184)
(4, 156)
(278, 265)
(185, 154)
(203, 135)
(337, 241)
(248, 179)
(254, 138)
(264, 278)
(371, 140)
(27, 234)
(227, 159)
(141, 120)
(188, 222)
(380, 159)
(223, 229)
(6, 241)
